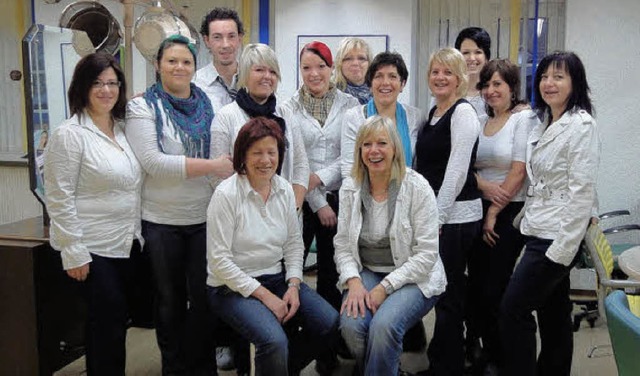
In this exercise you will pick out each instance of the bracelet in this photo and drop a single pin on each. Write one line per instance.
(293, 284)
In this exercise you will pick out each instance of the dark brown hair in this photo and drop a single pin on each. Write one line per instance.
(86, 72)
(510, 74)
(254, 130)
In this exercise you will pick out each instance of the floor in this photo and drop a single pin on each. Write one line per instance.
(143, 356)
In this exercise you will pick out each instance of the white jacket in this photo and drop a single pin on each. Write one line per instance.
(413, 235)
(322, 143)
(224, 130)
(562, 165)
(353, 120)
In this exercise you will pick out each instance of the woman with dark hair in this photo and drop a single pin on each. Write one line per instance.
(445, 155)
(352, 60)
(475, 45)
(386, 250)
(500, 173)
(92, 191)
(319, 108)
(169, 130)
(386, 76)
(255, 258)
(562, 165)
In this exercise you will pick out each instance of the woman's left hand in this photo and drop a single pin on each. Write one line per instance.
(292, 300)
(488, 234)
(377, 296)
(327, 216)
(314, 182)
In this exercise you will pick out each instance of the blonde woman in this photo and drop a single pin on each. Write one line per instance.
(352, 60)
(445, 155)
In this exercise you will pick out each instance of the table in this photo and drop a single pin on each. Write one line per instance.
(629, 262)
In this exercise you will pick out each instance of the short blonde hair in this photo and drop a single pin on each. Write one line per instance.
(346, 45)
(256, 54)
(452, 59)
(373, 125)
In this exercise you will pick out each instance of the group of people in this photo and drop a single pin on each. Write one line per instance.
(210, 175)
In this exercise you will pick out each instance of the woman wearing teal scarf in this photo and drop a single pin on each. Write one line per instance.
(386, 76)
(169, 131)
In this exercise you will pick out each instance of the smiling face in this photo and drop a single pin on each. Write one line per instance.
(354, 66)
(555, 88)
(261, 161)
(377, 153)
(176, 69)
(316, 74)
(442, 82)
(223, 41)
(497, 93)
(104, 92)
(261, 82)
(473, 55)
(386, 85)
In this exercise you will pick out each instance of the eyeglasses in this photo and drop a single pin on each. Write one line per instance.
(97, 84)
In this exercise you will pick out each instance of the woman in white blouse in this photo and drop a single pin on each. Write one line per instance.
(445, 155)
(255, 258)
(258, 77)
(169, 130)
(500, 172)
(318, 108)
(562, 166)
(92, 191)
(386, 250)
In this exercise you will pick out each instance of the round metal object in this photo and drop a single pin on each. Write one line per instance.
(95, 19)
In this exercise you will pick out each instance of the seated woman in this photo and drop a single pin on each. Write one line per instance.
(252, 227)
(352, 61)
(386, 249)
(92, 190)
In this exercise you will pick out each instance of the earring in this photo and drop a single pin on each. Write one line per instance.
(513, 97)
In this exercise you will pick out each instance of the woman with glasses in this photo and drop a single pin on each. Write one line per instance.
(352, 60)
(92, 191)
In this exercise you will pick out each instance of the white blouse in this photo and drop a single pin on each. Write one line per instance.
(92, 192)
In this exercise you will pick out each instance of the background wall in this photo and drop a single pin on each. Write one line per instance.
(293, 17)
(606, 36)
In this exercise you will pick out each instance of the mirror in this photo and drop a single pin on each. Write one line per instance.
(49, 56)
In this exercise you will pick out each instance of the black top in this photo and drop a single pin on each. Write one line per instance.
(433, 147)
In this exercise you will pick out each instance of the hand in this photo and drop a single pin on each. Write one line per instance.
(377, 297)
(80, 273)
(292, 299)
(488, 234)
(314, 182)
(222, 166)
(357, 298)
(275, 305)
(496, 194)
(595, 220)
(327, 216)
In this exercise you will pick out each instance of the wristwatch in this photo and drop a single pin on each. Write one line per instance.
(388, 287)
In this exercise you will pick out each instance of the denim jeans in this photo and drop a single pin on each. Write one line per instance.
(538, 284)
(280, 350)
(184, 326)
(375, 341)
(108, 293)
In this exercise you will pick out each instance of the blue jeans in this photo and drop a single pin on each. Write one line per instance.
(280, 350)
(184, 327)
(375, 341)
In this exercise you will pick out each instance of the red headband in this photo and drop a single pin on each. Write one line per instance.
(320, 49)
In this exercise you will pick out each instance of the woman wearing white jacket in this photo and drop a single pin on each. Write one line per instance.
(562, 165)
(318, 108)
(386, 250)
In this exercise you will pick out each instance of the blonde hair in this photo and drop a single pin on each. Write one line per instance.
(373, 125)
(346, 46)
(452, 59)
(256, 54)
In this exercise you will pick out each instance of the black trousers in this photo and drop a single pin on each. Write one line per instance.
(184, 324)
(446, 353)
(489, 270)
(109, 296)
(327, 271)
(538, 284)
